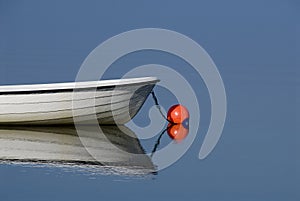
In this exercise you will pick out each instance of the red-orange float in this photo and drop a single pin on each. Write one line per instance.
(177, 131)
(177, 114)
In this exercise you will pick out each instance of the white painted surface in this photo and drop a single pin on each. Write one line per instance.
(39, 104)
(61, 145)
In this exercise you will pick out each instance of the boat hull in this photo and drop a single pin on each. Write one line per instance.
(106, 102)
(113, 148)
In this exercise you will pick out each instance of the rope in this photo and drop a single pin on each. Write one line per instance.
(158, 107)
(158, 140)
(162, 114)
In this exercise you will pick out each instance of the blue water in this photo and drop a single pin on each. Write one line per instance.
(255, 46)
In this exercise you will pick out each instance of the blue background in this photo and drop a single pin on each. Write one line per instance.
(255, 45)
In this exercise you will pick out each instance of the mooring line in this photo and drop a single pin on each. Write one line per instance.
(158, 107)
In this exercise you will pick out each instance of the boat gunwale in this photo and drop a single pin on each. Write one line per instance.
(75, 86)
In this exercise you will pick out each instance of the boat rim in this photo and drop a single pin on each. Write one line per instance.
(78, 85)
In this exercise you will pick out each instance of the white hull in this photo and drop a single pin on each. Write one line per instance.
(114, 147)
(110, 102)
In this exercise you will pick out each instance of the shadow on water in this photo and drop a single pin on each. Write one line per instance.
(115, 150)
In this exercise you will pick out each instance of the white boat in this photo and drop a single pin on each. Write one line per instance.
(108, 101)
(114, 150)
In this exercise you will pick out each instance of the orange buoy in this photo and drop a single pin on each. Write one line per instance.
(177, 131)
(178, 114)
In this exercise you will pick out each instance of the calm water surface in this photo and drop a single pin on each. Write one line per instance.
(255, 45)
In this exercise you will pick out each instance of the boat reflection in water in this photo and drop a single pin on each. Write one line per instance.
(116, 149)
